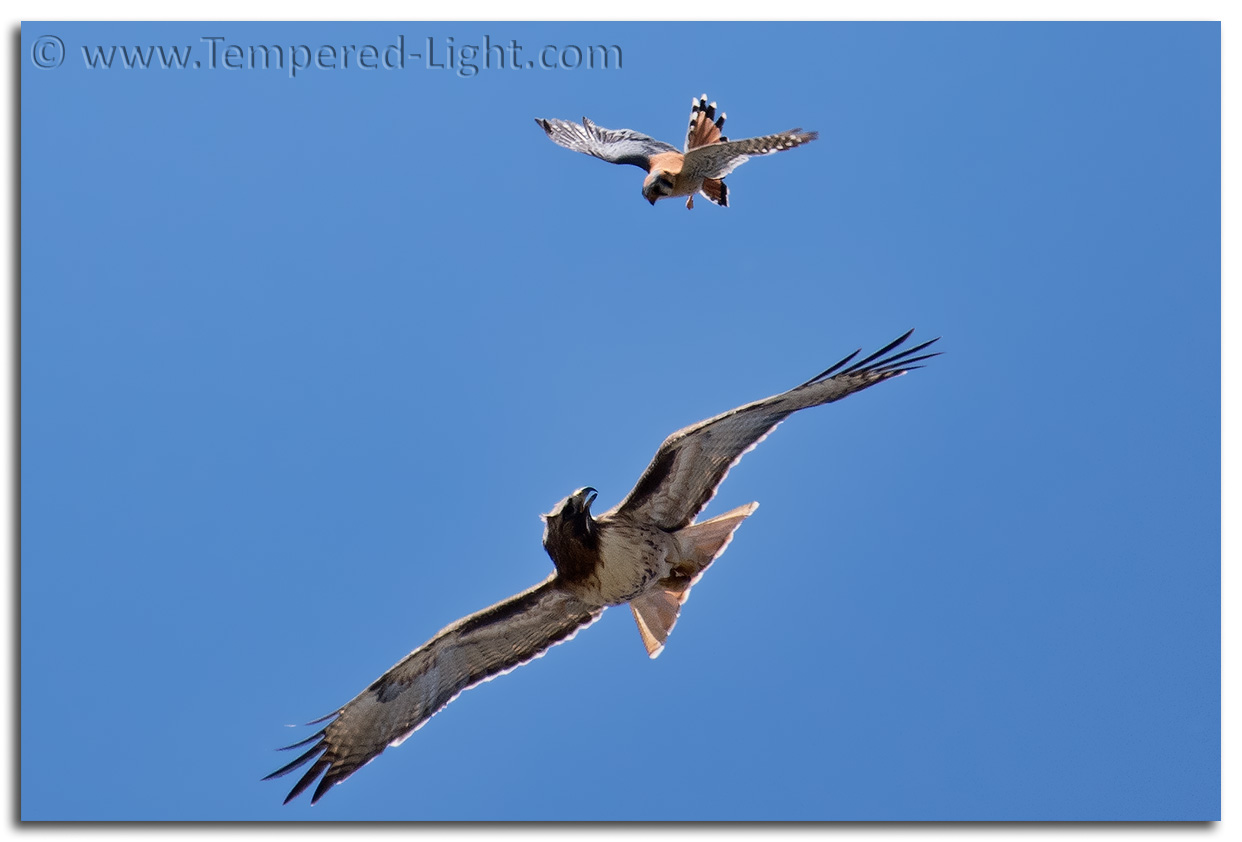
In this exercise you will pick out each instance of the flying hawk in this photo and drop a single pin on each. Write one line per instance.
(708, 157)
(648, 552)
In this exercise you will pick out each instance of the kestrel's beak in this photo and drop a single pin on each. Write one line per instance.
(652, 198)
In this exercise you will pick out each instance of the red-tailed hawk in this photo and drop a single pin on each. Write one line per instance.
(708, 157)
(648, 552)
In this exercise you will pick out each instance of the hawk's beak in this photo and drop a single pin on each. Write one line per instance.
(586, 497)
(651, 199)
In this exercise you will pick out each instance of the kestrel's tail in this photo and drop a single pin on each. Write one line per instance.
(704, 125)
(705, 129)
(701, 544)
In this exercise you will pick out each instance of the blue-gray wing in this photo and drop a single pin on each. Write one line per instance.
(482, 646)
(692, 462)
(616, 146)
(716, 160)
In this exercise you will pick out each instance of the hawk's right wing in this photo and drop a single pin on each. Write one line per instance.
(616, 146)
(691, 464)
(482, 646)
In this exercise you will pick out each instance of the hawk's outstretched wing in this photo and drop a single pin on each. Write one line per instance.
(616, 146)
(691, 463)
(717, 160)
(474, 649)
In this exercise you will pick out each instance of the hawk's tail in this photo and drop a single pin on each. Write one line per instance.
(705, 126)
(701, 543)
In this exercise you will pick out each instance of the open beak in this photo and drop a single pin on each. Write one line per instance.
(585, 497)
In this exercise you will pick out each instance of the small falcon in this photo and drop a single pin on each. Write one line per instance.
(708, 157)
(648, 551)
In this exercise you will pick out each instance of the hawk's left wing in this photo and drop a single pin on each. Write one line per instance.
(719, 159)
(482, 646)
(691, 463)
(616, 146)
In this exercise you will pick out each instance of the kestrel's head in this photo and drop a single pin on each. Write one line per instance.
(657, 185)
(569, 532)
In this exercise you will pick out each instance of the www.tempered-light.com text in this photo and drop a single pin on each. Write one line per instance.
(217, 53)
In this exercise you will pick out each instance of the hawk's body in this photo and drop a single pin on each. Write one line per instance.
(700, 168)
(648, 551)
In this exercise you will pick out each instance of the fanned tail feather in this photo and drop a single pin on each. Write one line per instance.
(701, 543)
(705, 127)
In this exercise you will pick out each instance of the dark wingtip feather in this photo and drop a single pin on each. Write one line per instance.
(289, 767)
(861, 364)
(324, 718)
(893, 364)
(908, 351)
(312, 738)
(904, 365)
(326, 784)
(889, 362)
(830, 369)
(313, 772)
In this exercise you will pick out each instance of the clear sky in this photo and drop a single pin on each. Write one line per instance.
(304, 358)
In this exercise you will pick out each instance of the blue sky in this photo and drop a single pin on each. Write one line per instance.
(304, 358)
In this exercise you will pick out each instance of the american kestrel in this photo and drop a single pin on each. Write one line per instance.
(708, 158)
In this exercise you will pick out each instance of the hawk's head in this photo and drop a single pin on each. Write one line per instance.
(570, 535)
(657, 185)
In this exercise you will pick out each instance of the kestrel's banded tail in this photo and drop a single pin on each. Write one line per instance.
(704, 125)
(707, 158)
(705, 129)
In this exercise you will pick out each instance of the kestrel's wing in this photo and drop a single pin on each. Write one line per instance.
(474, 649)
(616, 146)
(692, 462)
(717, 160)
